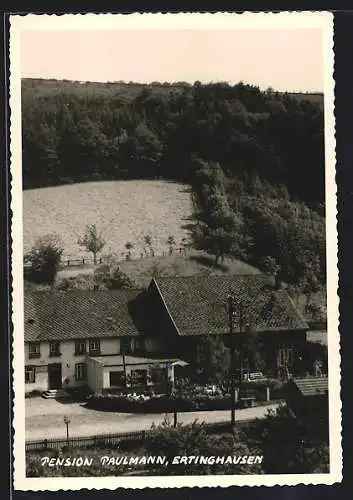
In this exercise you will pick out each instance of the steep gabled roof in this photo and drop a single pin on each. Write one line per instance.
(79, 314)
(199, 305)
(312, 386)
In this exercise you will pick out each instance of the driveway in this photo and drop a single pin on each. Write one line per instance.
(44, 419)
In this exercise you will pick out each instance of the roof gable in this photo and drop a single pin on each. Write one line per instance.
(198, 304)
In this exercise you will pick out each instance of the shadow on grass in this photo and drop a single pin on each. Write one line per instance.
(208, 261)
(74, 396)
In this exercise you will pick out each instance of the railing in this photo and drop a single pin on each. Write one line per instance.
(68, 262)
(103, 440)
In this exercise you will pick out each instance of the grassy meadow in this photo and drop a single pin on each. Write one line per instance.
(123, 211)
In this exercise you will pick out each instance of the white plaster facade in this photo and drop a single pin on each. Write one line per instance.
(37, 366)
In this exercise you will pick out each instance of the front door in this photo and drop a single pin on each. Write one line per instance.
(54, 376)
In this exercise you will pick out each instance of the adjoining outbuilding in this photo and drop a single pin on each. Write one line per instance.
(307, 399)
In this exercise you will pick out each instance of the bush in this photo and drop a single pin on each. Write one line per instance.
(44, 259)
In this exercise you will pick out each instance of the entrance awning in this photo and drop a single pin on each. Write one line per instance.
(118, 360)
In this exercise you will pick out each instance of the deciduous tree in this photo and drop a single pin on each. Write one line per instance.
(92, 240)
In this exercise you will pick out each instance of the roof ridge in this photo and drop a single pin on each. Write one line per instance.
(218, 276)
(77, 291)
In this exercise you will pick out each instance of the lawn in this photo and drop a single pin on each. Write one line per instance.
(122, 210)
(141, 271)
(194, 262)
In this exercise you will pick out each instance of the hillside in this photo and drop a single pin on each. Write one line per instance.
(76, 131)
(141, 271)
(254, 161)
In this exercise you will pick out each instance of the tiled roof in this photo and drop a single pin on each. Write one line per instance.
(79, 314)
(312, 386)
(199, 304)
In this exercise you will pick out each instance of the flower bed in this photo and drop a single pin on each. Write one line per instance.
(114, 402)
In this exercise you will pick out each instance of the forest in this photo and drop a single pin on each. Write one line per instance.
(254, 159)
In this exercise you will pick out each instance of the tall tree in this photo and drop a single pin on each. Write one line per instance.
(212, 360)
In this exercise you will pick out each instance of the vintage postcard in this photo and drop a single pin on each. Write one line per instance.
(174, 259)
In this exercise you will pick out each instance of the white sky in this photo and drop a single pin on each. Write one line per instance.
(288, 59)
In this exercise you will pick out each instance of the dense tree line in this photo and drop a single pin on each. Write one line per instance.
(86, 132)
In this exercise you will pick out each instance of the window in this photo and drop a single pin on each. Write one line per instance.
(125, 345)
(80, 347)
(34, 350)
(116, 379)
(94, 346)
(54, 349)
(139, 377)
(30, 374)
(286, 355)
(80, 371)
(139, 344)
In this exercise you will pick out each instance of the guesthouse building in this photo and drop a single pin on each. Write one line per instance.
(99, 338)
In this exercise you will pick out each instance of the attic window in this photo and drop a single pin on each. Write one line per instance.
(30, 321)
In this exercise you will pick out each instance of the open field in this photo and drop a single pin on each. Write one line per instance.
(122, 210)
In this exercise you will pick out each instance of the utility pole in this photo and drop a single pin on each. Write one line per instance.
(231, 313)
(232, 349)
(241, 324)
(122, 349)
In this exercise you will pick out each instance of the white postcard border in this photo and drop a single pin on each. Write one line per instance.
(283, 20)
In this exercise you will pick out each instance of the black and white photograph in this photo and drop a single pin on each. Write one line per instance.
(174, 256)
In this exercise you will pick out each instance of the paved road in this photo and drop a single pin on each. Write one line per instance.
(87, 422)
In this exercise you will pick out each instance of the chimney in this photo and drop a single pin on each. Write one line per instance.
(275, 280)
